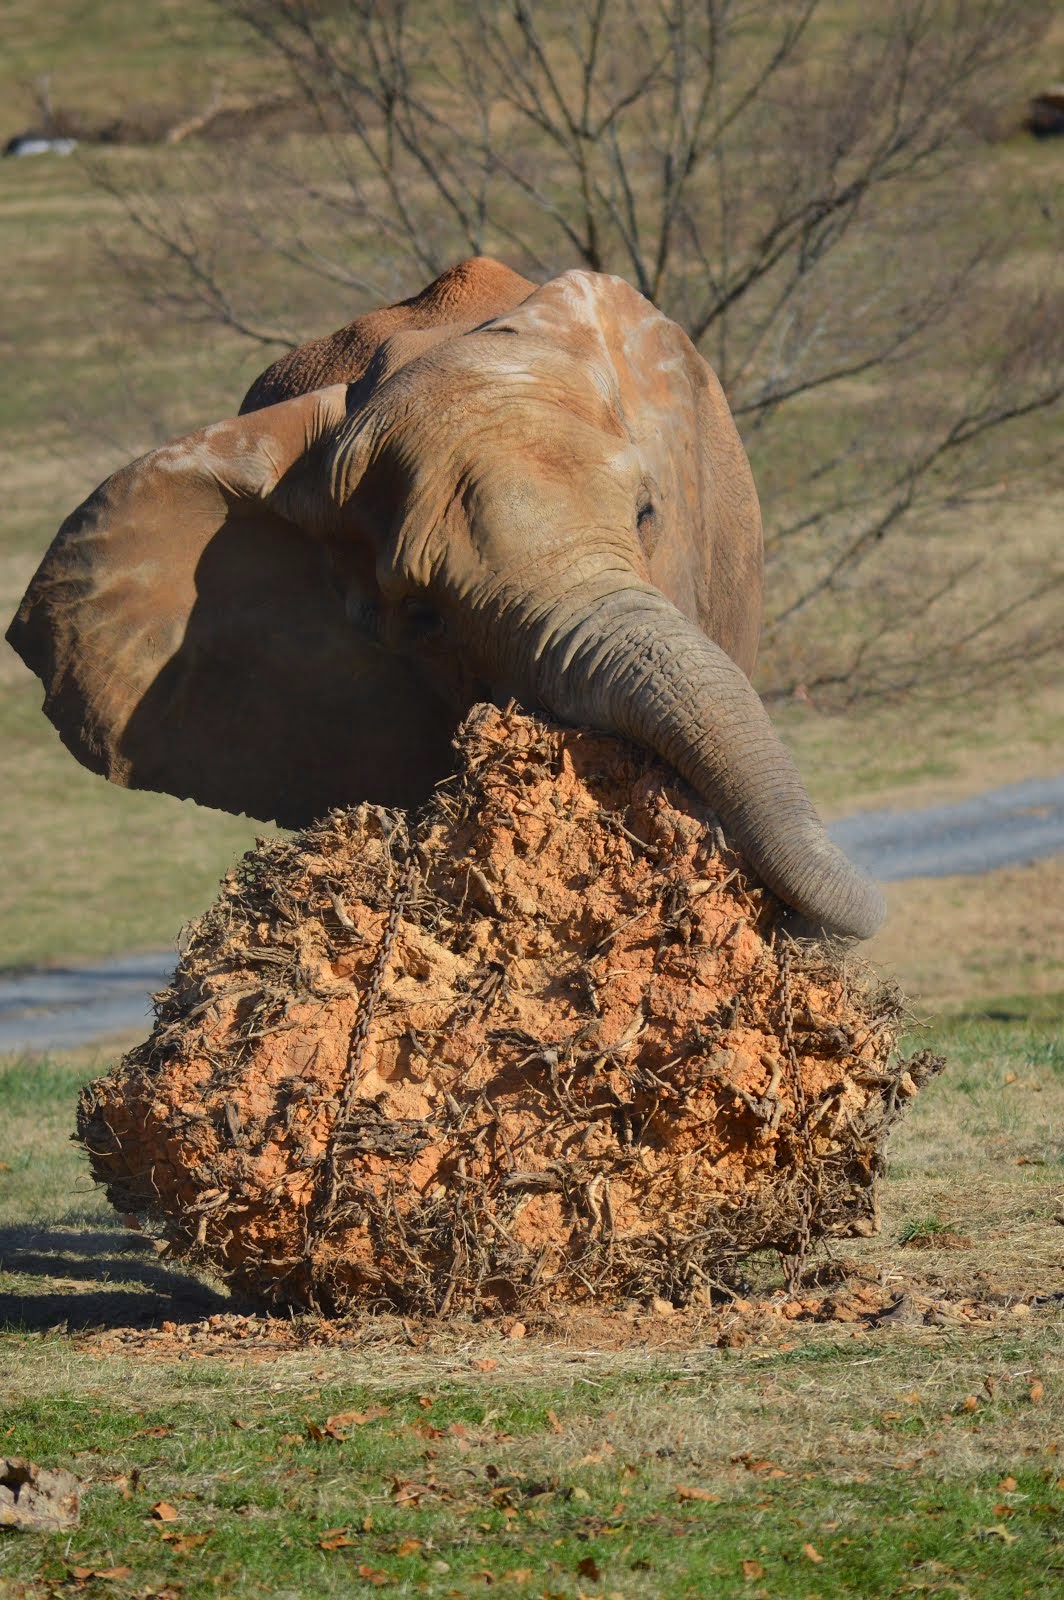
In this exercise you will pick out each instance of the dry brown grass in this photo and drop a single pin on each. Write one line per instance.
(957, 940)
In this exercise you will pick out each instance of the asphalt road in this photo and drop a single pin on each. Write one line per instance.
(58, 1008)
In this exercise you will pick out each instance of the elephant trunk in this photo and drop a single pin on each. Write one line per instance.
(631, 664)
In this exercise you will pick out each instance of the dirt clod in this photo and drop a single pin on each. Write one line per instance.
(549, 1043)
(37, 1499)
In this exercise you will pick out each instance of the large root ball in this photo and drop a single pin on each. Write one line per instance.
(551, 1043)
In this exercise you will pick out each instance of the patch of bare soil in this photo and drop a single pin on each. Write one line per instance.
(549, 1045)
(853, 1299)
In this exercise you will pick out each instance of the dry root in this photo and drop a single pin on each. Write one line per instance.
(550, 1044)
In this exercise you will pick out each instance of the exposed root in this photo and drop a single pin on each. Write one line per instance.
(549, 1044)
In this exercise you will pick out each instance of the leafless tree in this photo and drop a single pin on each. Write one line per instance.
(799, 190)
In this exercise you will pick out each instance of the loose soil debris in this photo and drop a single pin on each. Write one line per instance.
(549, 1043)
(37, 1499)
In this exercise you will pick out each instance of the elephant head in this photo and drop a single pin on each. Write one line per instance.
(526, 492)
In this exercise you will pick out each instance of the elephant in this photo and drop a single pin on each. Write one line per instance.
(494, 490)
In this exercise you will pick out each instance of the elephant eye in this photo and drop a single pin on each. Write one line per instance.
(646, 523)
(420, 621)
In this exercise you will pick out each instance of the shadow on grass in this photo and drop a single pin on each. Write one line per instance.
(73, 1279)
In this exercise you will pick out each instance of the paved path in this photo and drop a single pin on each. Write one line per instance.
(60, 1007)
(998, 829)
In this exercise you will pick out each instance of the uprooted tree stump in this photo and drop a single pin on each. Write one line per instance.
(552, 1043)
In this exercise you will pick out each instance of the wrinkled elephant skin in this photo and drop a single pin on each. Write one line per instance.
(491, 490)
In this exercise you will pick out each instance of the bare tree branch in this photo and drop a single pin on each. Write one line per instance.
(793, 192)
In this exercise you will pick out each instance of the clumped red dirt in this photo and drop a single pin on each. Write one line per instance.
(549, 1044)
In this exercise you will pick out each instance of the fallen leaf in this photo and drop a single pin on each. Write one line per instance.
(159, 1432)
(811, 1552)
(334, 1539)
(408, 1547)
(970, 1403)
(588, 1567)
(1036, 1393)
(336, 1426)
(758, 1464)
(1007, 1485)
(37, 1499)
(484, 1364)
(113, 1574)
(406, 1493)
(516, 1575)
(373, 1575)
(911, 1398)
(555, 1425)
(426, 1401)
(687, 1491)
(752, 1570)
(579, 1493)
(163, 1511)
(183, 1542)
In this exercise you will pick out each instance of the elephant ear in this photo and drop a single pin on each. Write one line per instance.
(191, 639)
(704, 545)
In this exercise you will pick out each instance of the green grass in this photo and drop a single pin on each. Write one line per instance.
(495, 1494)
(172, 48)
(912, 1460)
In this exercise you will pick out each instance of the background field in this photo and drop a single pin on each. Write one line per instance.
(720, 1451)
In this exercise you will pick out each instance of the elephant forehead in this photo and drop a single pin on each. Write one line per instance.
(633, 353)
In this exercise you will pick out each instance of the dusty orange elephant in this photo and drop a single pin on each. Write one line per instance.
(491, 490)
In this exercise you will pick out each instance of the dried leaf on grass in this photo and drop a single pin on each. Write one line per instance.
(335, 1539)
(182, 1543)
(83, 1574)
(340, 1424)
(374, 1575)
